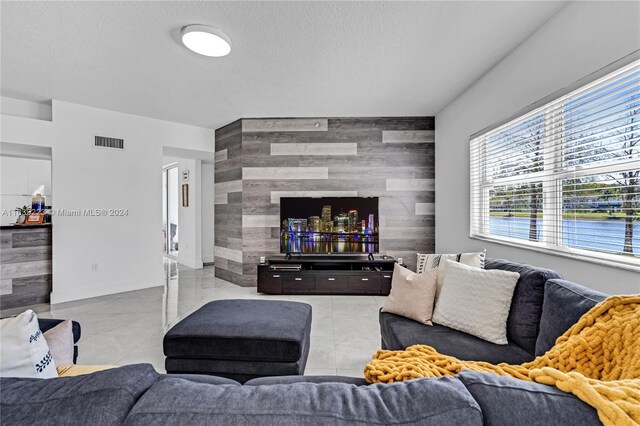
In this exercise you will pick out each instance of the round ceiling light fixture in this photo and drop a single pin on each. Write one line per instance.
(205, 40)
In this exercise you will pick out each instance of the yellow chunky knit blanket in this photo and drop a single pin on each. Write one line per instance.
(597, 360)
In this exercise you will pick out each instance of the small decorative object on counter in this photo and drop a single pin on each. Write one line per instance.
(47, 215)
(37, 203)
(23, 211)
(34, 219)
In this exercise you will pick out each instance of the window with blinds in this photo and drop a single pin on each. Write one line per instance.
(566, 175)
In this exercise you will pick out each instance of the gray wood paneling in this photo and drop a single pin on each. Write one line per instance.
(31, 238)
(318, 148)
(25, 254)
(260, 221)
(336, 136)
(411, 184)
(5, 286)
(227, 275)
(284, 125)
(276, 195)
(25, 267)
(408, 136)
(220, 155)
(425, 208)
(289, 173)
(392, 158)
(228, 202)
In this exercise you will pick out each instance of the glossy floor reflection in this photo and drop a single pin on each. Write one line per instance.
(127, 328)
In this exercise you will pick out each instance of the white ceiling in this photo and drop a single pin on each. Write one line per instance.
(288, 58)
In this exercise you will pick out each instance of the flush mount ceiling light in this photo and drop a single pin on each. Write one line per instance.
(205, 40)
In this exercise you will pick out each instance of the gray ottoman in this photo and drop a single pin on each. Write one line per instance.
(241, 339)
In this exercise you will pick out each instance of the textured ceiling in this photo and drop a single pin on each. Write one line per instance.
(288, 58)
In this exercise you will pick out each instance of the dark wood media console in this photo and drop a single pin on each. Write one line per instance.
(326, 275)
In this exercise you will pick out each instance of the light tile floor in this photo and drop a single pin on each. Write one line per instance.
(127, 328)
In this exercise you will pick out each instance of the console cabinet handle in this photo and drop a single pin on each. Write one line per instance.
(387, 276)
(365, 279)
(276, 276)
(331, 279)
(298, 279)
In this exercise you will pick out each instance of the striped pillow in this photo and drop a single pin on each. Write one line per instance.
(430, 261)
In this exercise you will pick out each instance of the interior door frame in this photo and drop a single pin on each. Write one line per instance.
(167, 233)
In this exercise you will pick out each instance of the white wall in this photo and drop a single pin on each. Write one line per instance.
(20, 179)
(582, 38)
(127, 249)
(27, 109)
(206, 198)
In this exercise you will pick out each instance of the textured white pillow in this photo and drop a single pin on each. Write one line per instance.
(412, 295)
(476, 301)
(430, 261)
(23, 350)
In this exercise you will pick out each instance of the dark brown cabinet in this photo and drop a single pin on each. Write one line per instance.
(320, 275)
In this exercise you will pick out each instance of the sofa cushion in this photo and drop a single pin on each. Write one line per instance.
(422, 401)
(398, 333)
(514, 402)
(286, 380)
(242, 329)
(526, 306)
(102, 398)
(564, 303)
(201, 378)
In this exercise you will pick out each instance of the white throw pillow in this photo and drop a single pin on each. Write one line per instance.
(430, 261)
(476, 301)
(23, 349)
(412, 295)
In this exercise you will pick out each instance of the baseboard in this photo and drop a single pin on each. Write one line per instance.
(207, 260)
(101, 290)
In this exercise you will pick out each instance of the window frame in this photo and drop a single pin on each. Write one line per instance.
(552, 204)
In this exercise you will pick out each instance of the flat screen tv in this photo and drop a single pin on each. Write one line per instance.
(329, 225)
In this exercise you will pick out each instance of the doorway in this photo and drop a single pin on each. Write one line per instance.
(170, 186)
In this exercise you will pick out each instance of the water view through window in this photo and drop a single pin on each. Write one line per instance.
(565, 175)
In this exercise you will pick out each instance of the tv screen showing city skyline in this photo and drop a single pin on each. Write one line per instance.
(329, 225)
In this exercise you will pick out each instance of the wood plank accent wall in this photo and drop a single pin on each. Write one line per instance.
(260, 160)
(25, 266)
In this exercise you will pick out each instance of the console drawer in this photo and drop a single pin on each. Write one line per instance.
(364, 284)
(331, 282)
(386, 283)
(298, 283)
(269, 282)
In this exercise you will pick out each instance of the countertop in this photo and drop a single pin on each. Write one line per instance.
(40, 225)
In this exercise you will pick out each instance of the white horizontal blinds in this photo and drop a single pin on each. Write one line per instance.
(603, 124)
(566, 175)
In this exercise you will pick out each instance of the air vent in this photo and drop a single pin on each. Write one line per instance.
(105, 142)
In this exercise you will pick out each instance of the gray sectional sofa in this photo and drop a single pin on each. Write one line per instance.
(544, 306)
(137, 395)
